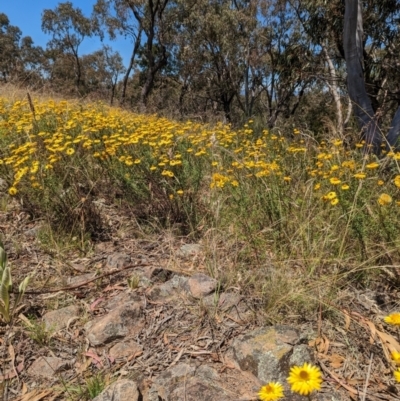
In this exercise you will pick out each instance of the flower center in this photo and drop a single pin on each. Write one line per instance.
(304, 375)
(268, 389)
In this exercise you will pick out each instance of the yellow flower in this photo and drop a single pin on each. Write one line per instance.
(345, 187)
(12, 191)
(329, 196)
(385, 199)
(397, 181)
(393, 318)
(179, 192)
(287, 179)
(70, 151)
(335, 181)
(360, 176)
(380, 182)
(167, 173)
(396, 357)
(372, 166)
(305, 379)
(396, 374)
(317, 186)
(271, 392)
(334, 201)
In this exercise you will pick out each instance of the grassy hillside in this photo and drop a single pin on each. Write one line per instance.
(324, 216)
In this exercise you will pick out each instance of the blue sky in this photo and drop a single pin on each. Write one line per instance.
(26, 14)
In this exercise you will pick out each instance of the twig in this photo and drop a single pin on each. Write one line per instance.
(346, 386)
(367, 379)
(74, 287)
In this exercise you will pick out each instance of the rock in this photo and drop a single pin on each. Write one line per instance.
(33, 232)
(124, 349)
(3, 185)
(269, 352)
(58, 319)
(118, 260)
(223, 301)
(170, 288)
(116, 324)
(188, 383)
(81, 278)
(158, 273)
(266, 352)
(200, 285)
(47, 366)
(189, 250)
(121, 390)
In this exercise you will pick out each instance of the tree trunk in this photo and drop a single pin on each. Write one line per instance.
(353, 50)
(130, 66)
(333, 87)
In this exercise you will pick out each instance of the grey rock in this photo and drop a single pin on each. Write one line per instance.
(269, 353)
(121, 390)
(168, 289)
(58, 319)
(124, 349)
(76, 280)
(186, 383)
(48, 366)
(265, 352)
(116, 324)
(118, 260)
(3, 184)
(188, 250)
(200, 285)
(33, 232)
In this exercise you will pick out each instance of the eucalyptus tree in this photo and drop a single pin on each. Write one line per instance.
(211, 53)
(68, 27)
(117, 18)
(102, 71)
(287, 60)
(32, 60)
(145, 22)
(354, 44)
(10, 36)
(361, 37)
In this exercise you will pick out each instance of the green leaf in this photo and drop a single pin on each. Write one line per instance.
(4, 313)
(24, 284)
(3, 259)
(5, 296)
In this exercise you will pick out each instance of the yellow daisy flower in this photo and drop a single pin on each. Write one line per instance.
(396, 357)
(396, 374)
(305, 379)
(335, 181)
(12, 191)
(385, 199)
(393, 318)
(271, 392)
(360, 176)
